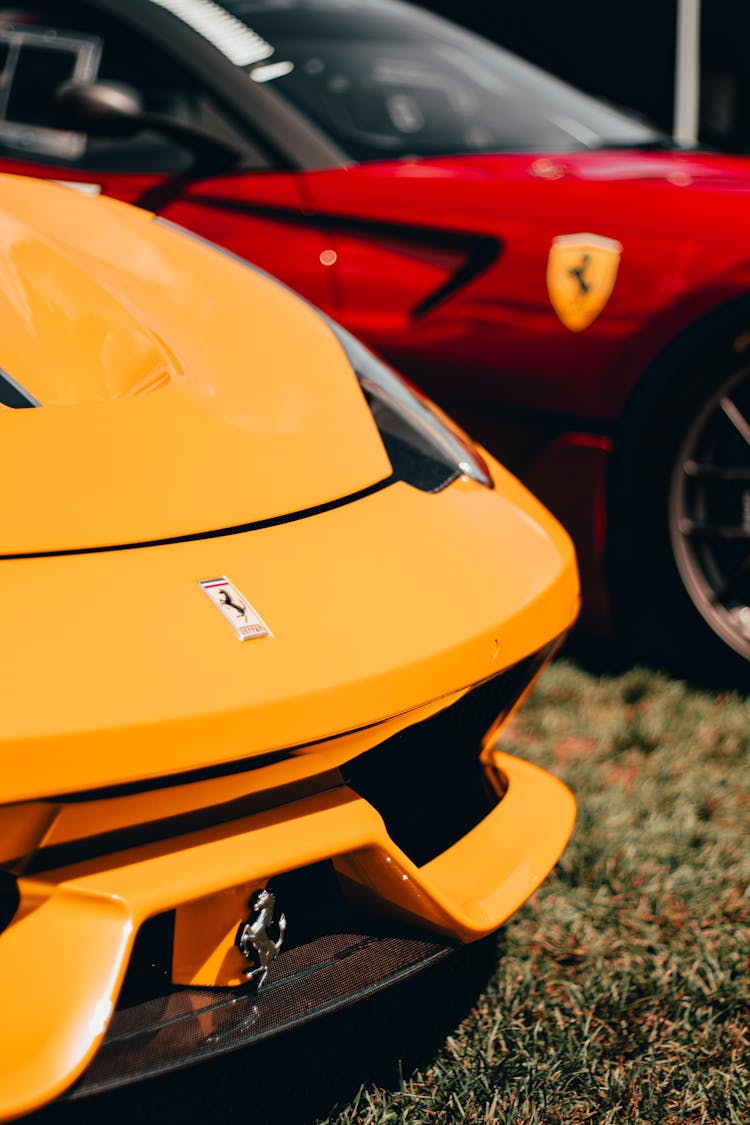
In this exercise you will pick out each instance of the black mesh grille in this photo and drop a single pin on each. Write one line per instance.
(427, 781)
(332, 957)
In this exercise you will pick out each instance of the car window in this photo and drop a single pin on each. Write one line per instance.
(33, 64)
(42, 47)
(385, 79)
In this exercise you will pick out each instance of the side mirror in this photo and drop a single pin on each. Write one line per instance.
(114, 111)
(100, 109)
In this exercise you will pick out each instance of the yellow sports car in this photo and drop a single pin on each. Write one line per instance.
(264, 611)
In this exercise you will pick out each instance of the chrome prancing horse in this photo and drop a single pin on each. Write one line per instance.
(253, 940)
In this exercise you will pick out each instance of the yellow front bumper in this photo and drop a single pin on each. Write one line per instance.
(78, 924)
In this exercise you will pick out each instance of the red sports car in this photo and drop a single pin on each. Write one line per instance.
(549, 268)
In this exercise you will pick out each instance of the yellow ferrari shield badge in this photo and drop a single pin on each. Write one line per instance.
(581, 273)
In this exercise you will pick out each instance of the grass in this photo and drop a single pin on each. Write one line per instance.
(621, 990)
(618, 994)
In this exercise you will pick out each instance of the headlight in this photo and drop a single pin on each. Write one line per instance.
(426, 449)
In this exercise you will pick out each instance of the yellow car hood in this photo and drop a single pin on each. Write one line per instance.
(116, 667)
(179, 391)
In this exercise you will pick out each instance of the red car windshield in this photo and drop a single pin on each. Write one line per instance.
(387, 80)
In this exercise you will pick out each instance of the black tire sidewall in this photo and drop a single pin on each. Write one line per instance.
(653, 614)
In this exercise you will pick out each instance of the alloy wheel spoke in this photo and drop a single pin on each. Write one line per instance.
(736, 417)
(697, 529)
(700, 470)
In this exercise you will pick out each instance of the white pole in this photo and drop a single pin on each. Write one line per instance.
(687, 72)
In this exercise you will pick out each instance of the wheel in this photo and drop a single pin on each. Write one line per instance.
(709, 512)
(678, 555)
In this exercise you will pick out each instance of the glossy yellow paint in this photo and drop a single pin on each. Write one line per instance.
(28, 826)
(142, 677)
(94, 909)
(102, 351)
(198, 397)
(248, 412)
(205, 953)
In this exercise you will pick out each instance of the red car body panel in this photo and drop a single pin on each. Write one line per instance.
(498, 332)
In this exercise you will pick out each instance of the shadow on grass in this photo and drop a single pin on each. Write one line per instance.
(304, 1074)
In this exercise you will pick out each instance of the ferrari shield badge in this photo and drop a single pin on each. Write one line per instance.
(581, 274)
(237, 610)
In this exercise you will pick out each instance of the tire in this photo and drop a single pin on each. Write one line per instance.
(678, 547)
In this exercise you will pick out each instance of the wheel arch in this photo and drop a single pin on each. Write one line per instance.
(642, 438)
(713, 327)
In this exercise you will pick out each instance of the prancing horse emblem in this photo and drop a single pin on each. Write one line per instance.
(579, 271)
(253, 940)
(581, 274)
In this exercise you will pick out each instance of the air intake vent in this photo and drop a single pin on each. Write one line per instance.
(427, 781)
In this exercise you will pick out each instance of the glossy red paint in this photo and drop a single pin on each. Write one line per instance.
(498, 331)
